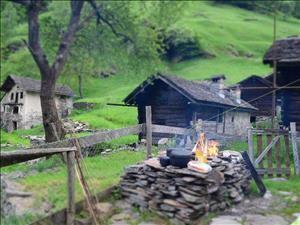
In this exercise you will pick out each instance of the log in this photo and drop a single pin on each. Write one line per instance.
(295, 148)
(149, 130)
(18, 156)
(71, 188)
(168, 129)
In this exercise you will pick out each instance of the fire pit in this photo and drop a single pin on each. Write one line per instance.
(183, 194)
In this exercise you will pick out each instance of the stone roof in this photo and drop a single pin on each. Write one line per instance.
(32, 85)
(195, 91)
(284, 51)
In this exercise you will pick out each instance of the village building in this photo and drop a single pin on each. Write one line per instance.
(21, 106)
(177, 102)
(285, 56)
(257, 91)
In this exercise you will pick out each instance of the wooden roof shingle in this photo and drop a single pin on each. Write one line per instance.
(284, 51)
(195, 91)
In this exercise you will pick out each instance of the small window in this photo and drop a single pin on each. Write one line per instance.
(232, 119)
(15, 125)
(16, 110)
(4, 108)
(21, 94)
(12, 96)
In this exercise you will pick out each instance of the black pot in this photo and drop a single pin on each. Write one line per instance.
(164, 161)
(180, 158)
(170, 150)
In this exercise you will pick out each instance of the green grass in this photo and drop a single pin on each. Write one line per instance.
(18, 137)
(50, 183)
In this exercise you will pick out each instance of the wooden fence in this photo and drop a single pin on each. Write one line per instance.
(273, 150)
(67, 216)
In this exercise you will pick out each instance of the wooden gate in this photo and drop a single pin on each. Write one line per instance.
(272, 151)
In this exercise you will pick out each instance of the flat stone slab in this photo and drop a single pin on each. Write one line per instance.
(254, 219)
(249, 219)
(226, 220)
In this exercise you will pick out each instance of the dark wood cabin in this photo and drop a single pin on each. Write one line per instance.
(286, 54)
(251, 89)
(177, 102)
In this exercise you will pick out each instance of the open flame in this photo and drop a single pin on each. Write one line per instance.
(205, 148)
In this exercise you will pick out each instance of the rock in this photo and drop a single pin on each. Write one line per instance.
(296, 214)
(182, 194)
(83, 221)
(84, 105)
(253, 219)
(268, 195)
(279, 179)
(294, 199)
(226, 220)
(75, 126)
(285, 193)
(163, 141)
(7, 209)
(120, 216)
(105, 209)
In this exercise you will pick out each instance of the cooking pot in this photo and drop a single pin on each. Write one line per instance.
(180, 158)
(164, 161)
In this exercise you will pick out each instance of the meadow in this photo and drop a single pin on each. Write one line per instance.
(238, 38)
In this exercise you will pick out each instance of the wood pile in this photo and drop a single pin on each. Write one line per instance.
(182, 194)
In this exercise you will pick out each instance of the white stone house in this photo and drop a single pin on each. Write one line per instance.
(21, 105)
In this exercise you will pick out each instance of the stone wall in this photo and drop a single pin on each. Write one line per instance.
(30, 112)
(182, 194)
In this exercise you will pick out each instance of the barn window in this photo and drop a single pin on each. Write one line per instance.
(232, 119)
(21, 94)
(16, 110)
(12, 96)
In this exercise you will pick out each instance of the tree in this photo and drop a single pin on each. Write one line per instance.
(50, 72)
(127, 21)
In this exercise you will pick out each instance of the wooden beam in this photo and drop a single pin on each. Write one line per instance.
(250, 144)
(18, 156)
(260, 157)
(109, 135)
(269, 88)
(71, 188)
(295, 148)
(168, 129)
(123, 105)
(149, 131)
(254, 174)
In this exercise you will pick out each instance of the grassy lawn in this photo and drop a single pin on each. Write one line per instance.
(50, 183)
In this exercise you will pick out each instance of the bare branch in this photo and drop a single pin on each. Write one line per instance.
(68, 36)
(100, 17)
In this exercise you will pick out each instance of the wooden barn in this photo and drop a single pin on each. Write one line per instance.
(251, 89)
(285, 54)
(177, 102)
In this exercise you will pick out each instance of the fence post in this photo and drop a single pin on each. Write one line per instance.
(250, 145)
(149, 130)
(71, 188)
(295, 148)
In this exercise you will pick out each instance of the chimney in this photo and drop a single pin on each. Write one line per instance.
(235, 93)
(217, 85)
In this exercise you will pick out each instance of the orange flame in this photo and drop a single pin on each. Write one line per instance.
(205, 148)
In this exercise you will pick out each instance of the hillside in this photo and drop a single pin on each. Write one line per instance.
(238, 38)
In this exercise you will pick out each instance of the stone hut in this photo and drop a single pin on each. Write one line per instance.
(21, 106)
(177, 102)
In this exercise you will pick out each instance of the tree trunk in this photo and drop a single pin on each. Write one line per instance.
(80, 85)
(53, 126)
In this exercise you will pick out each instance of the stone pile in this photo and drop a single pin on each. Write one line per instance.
(76, 126)
(182, 194)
